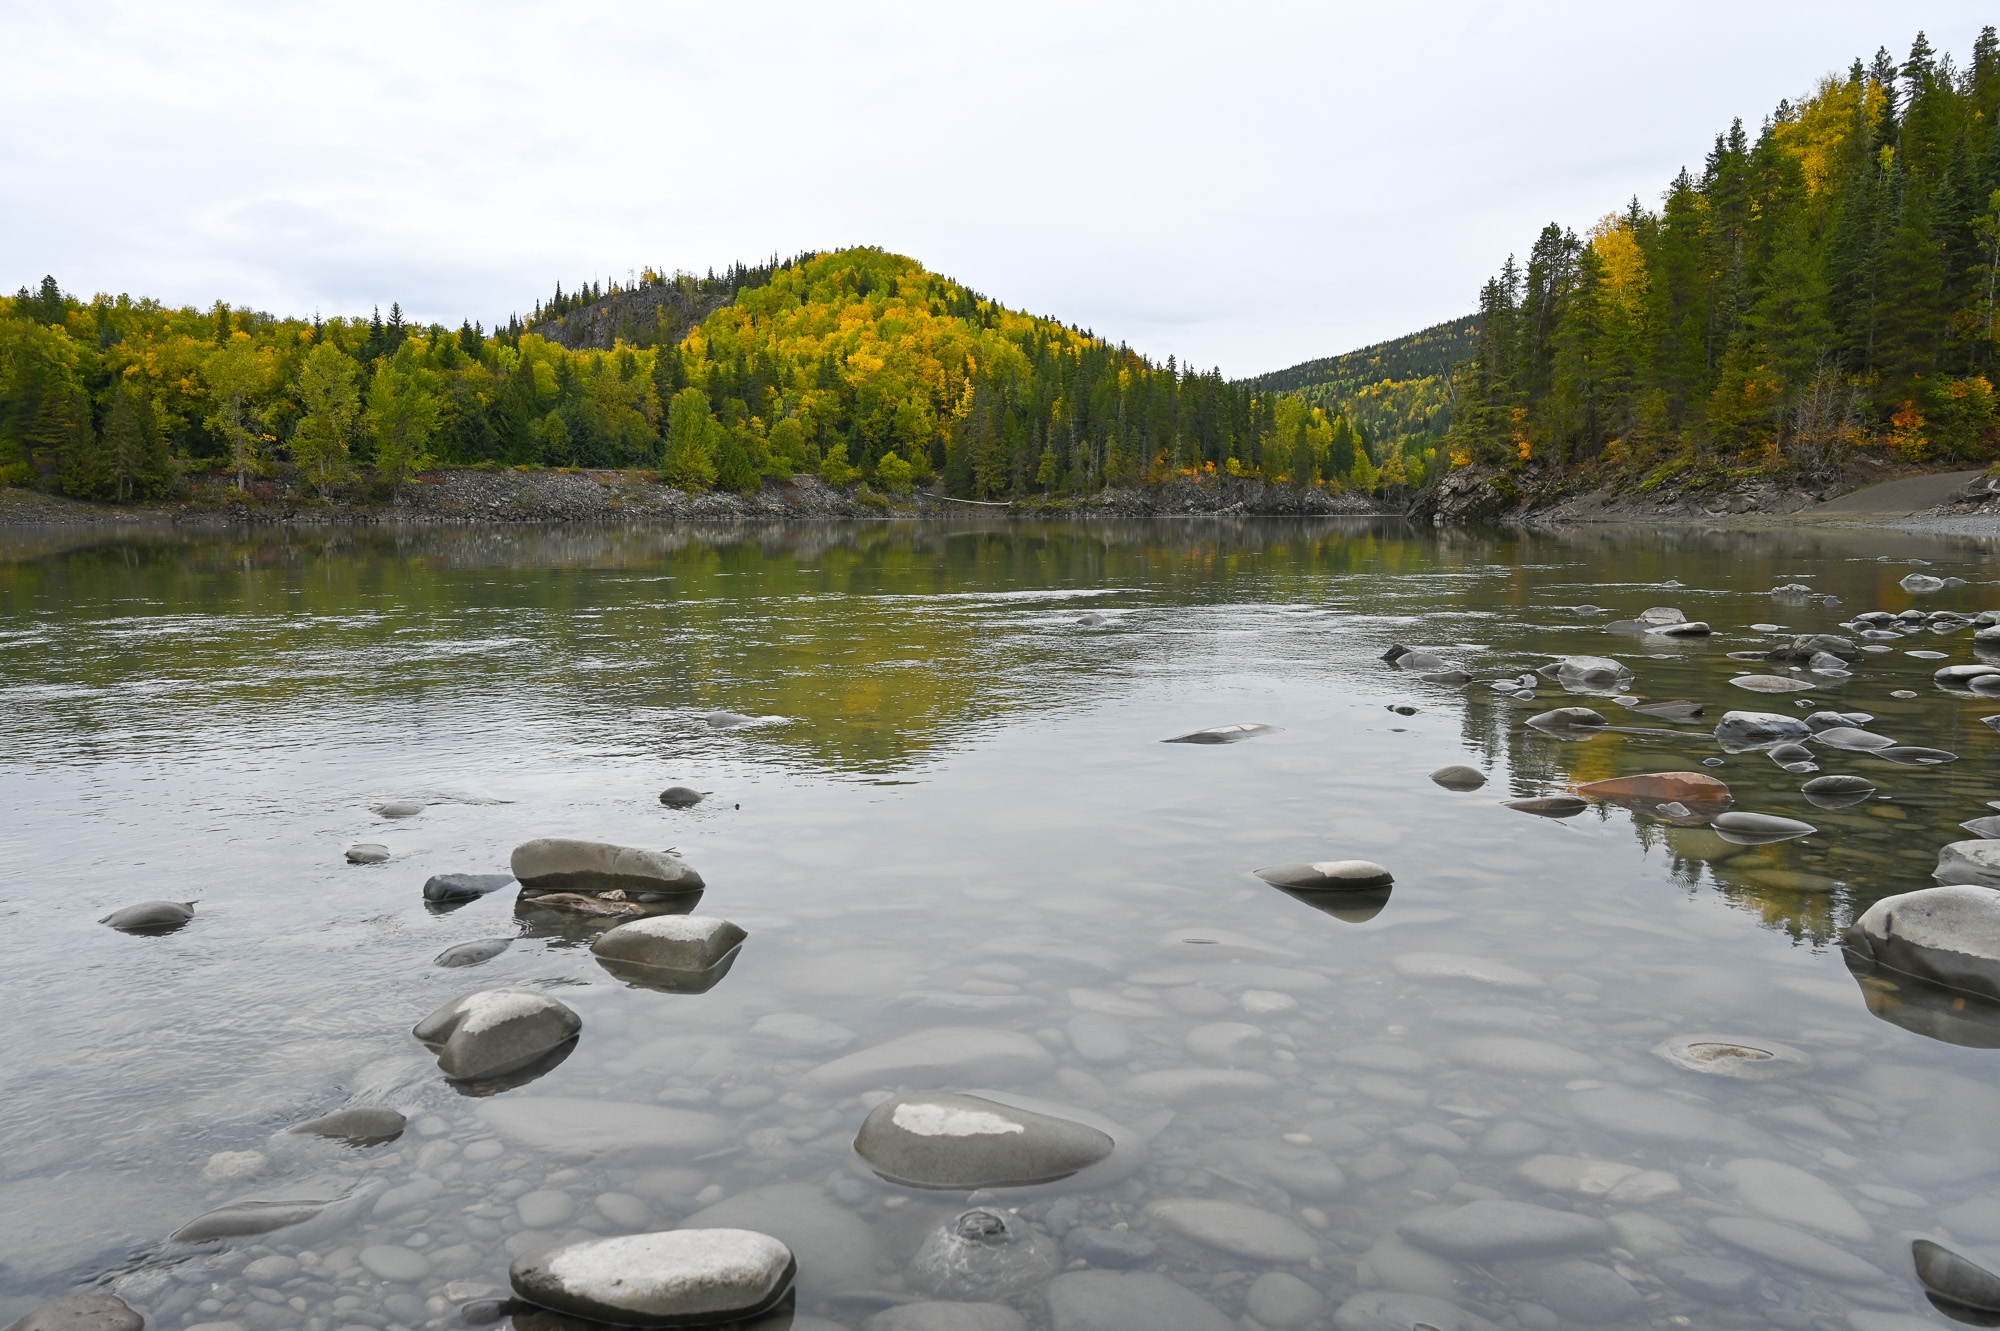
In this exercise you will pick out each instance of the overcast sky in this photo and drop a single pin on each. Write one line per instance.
(1245, 185)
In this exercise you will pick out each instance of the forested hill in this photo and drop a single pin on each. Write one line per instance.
(859, 366)
(1821, 285)
(1397, 392)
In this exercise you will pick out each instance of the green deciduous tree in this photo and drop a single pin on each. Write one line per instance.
(329, 408)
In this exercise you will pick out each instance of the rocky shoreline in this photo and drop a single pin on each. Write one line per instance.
(470, 495)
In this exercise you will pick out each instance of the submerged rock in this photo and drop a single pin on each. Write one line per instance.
(1585, 1292)
(1772, 684)
(367, 852)
(357, 1125)
(1328, 876)
(1379, 1311)
(464, 886)
(1459, 777)
(1948, 935)
(1668, 711)
(940, 1316)
(150, 917)
(939, 1056)
(1688, 629)
(1961, 676)
(673, 1278)
(1758, 829)
(984, 1254)
(561, 864)
(680, 797)
(1837, 792)
(1852, 739)
(1789, 1247)
(1132, 1301)
(1458, 966)
(1745, 1058)
(1198, 1085)
(1592, 674)
(1784, 1192)
(1240, 1231)
(493, 1032)
(947, 1140)
(1696, 789)
(587, 1129)
(1486, 1229)
(1549, 806)
(399, 808)
(729, 720)
(1914, 755)
(477, 952)
(89, 1310)
(325, 1204)
(1224, 734)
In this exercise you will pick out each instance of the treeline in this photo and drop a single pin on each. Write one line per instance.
(1826, 284)
(857, 366)
(1397, 392)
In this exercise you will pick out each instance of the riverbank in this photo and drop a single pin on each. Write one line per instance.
(475, 496)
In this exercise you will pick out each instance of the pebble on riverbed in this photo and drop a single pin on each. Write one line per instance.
(947, 1140)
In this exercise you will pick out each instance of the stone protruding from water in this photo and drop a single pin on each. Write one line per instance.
(1459, 777)
(1956, 1283)
(1740, 732)
(475, 953)
(683, 1277)
(1231, 734)
(1565, 720)
(1947, 935)
(1328, 876)
(562, 864)
(150, 917)
(1742, 1057)
(680, 797)
(1549, 806)
(685, 943)
(1973, 863)
(367, 852)
(943, 1139)
(464, 886)
(357, 1125)
(492, 1032)
(1758, 829)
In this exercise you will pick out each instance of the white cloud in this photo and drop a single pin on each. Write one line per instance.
(1249, 185)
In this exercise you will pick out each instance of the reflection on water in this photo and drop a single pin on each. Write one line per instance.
(965, 861)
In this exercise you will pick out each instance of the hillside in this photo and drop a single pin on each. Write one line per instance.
(858, 367)
(1397, 394)
(1817, 297)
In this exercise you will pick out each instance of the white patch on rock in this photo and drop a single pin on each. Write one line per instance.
(950, 1121)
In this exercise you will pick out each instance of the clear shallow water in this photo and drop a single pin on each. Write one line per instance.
(963, 819)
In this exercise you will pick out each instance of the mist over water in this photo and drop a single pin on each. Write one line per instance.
(954, 811)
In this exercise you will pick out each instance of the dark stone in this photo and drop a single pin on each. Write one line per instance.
(680, 797)
(358, 1125)
(492, 1032)
(1568, 718)
(1954, 1277)
(1549, 806)
(464, 886)
(1459, 778)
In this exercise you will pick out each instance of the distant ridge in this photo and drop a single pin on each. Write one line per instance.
(1428, 353)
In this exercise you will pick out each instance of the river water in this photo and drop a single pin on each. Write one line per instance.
(957, 813)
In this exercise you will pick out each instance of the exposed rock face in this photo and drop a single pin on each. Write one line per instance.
(560, 864)
(685, 1277)
(1948, 935)
(946, 1140)
(496, 1031)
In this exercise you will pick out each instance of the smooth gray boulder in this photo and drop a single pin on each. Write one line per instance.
(1740, 732)
(946, 1316)
(492, 1032)
(1328, 876)
(1961, 676)
(1837, 791)
(1948, 935)
(1562, 720)
(1758, 829)
(150, 917)
(936, 1057)
(464, 886)
(357, 1125)
(680, 797)
(1241, 1231)
(942, 1139)
(367, 852)
(477, 952)
(1852, 738)
(1974, 863)
(88, 1310)
(1230, 734)
(1549, 806)
(1593, 673)
(1282, 1300)
(1773, 684)
(691, 943)
(1693, 628)
(1956, 1279)
(1129, 1301)
(1644, 1116)
(1921, 582)
(562, 864)
(1916, 755)
(1487, 1229)
(685, 1277)
(1459, 777)
(1987, 828)
(1804, 646)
